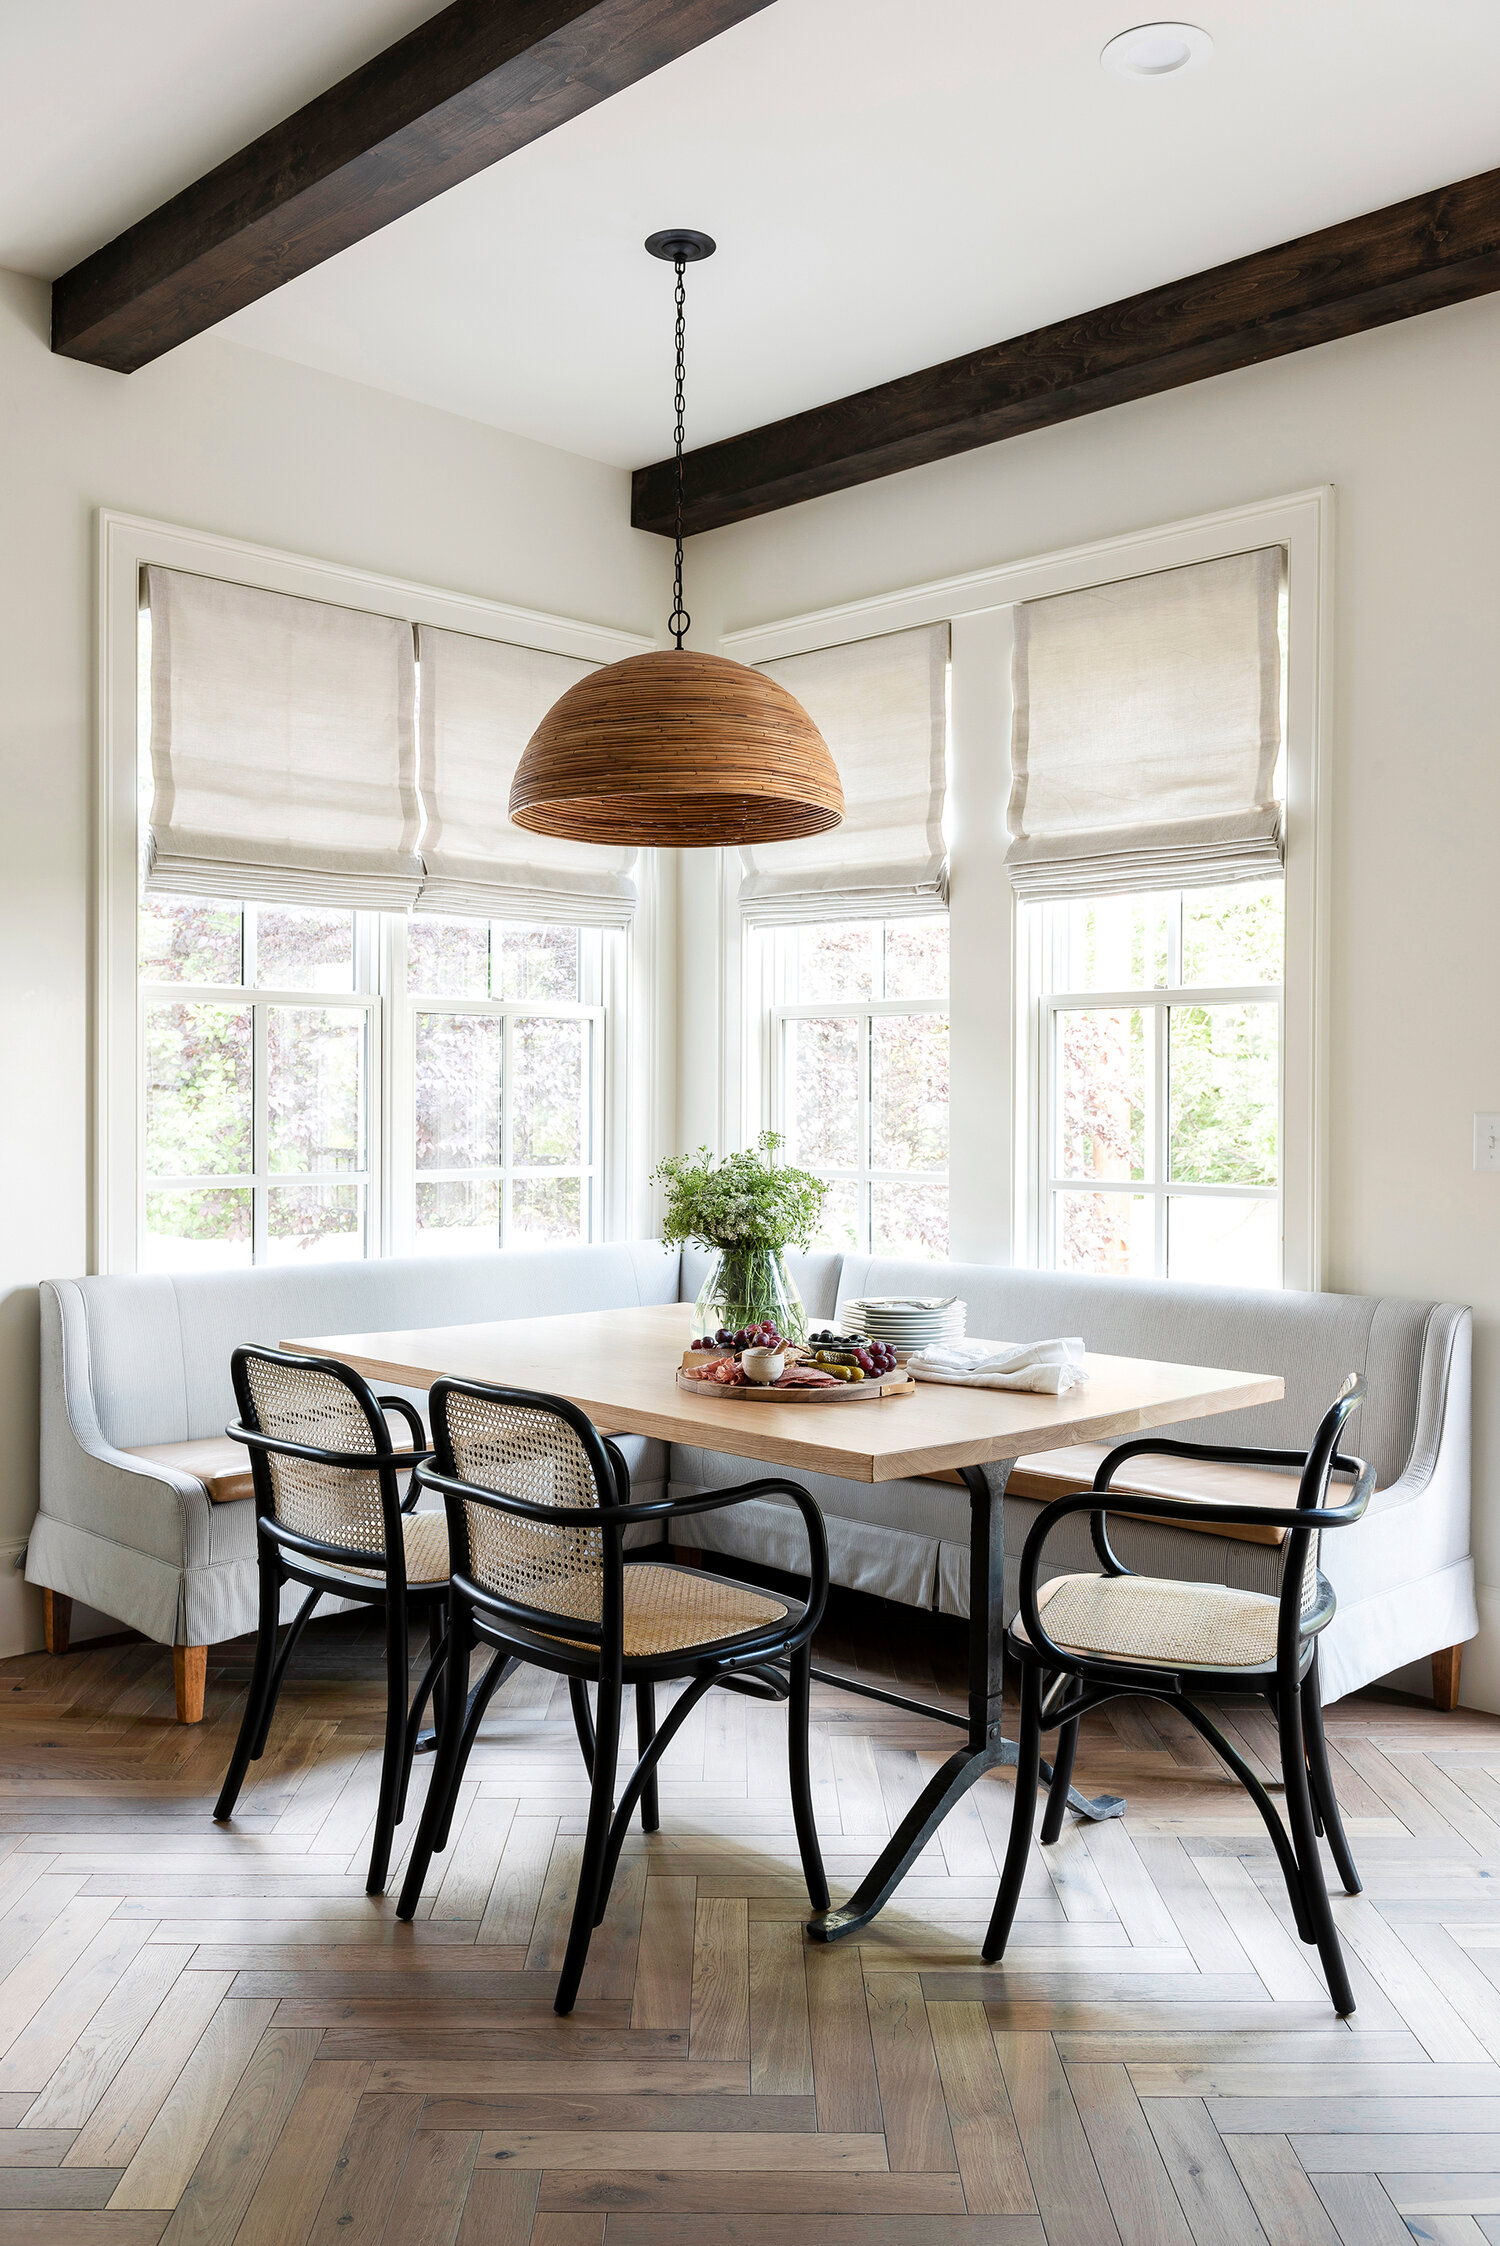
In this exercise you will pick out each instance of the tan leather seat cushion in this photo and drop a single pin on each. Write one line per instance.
(222, 1466)
(1047, 1474)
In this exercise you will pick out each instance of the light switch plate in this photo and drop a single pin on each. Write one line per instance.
(1487, 1142)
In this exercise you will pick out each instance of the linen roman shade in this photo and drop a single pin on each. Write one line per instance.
(881, 705)
(1146, 731)
(481, 701)
(283, 756)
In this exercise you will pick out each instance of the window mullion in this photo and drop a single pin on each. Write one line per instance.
(866, 1129)
(260, 1143)
(506, 1056)
(1161, 1123)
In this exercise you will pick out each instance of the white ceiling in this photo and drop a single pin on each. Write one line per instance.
(891, 182)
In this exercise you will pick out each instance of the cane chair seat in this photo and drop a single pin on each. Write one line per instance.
(677, 1610)
(426, 1538)
(1157, 1622)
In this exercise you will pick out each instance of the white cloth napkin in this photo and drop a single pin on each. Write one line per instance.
(1049, 1368)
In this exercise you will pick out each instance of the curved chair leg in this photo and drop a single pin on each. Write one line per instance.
(429, 1685)
(800, 1771)
(470, 1716)
(393, 1759)
(282, 1655)
(437, 1625)
(1325, 1800)
(583, 1721)
(447, 1769)
(645, 1732)
(682, 1707)
(1304, 1840)
(588, 1903)
(1062, 1779)
(260, 1703)
(1028, 1777)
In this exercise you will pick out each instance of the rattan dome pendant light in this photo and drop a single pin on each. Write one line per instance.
(677, 749)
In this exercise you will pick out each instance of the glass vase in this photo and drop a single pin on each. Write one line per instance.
(746, 1287)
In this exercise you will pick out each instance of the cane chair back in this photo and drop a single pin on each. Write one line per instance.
(532, 1452)
(305, 1403)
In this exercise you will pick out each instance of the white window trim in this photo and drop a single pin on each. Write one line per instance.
(633, 1072)
(993, 1067)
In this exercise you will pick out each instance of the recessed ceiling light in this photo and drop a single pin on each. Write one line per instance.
(1157, 50)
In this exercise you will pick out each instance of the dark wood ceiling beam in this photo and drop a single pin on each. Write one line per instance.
(1412, 257)
(466, 88)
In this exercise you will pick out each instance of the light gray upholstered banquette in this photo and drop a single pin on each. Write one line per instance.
(136, 1361)
(131, 1361)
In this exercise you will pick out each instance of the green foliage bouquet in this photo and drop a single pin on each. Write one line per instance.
(750, 1208)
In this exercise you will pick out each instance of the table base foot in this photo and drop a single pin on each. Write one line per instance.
(1095, 1807)
(922, 1820)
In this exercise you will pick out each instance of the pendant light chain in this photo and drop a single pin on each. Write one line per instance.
(679, 620)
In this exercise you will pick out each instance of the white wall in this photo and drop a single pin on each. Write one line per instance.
(229, 440)
(1404, 423)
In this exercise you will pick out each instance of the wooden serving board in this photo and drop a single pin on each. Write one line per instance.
(844, 1392)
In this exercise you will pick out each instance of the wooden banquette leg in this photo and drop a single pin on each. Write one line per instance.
(1445, 1667)
(190, 1675)
(57, 1620)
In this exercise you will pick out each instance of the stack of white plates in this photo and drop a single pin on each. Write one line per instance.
(908, 1322)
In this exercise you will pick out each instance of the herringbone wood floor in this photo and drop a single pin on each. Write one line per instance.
(213, 2036)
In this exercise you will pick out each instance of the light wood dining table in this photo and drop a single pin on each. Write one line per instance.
(620, 1367)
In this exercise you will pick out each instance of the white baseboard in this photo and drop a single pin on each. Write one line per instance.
(21, 1611)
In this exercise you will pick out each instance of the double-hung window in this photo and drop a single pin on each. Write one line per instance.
(858, 1028)
(321, 1085)
(1158, 1074)
(1146, 850)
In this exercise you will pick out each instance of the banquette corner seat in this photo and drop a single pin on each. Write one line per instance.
(146, 1514)
(146, 1507)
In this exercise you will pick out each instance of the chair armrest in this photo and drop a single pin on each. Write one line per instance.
(1173, 1509)
(710, 1501)
(407, 1410)
(617, 1518)
(1211, 1454)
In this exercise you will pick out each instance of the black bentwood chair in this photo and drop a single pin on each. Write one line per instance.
(538, 1506)
(1087, 1639)
(329, 1514)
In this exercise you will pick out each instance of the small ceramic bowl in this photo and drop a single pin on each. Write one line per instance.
(763, 1365)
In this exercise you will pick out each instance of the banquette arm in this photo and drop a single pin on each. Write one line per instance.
(86, 1479)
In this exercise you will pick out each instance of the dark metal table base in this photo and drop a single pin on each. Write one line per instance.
(984, 1749)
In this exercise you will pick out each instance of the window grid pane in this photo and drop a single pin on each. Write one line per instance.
(1162, 1090)
(860, 1076)
(506, 1098)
